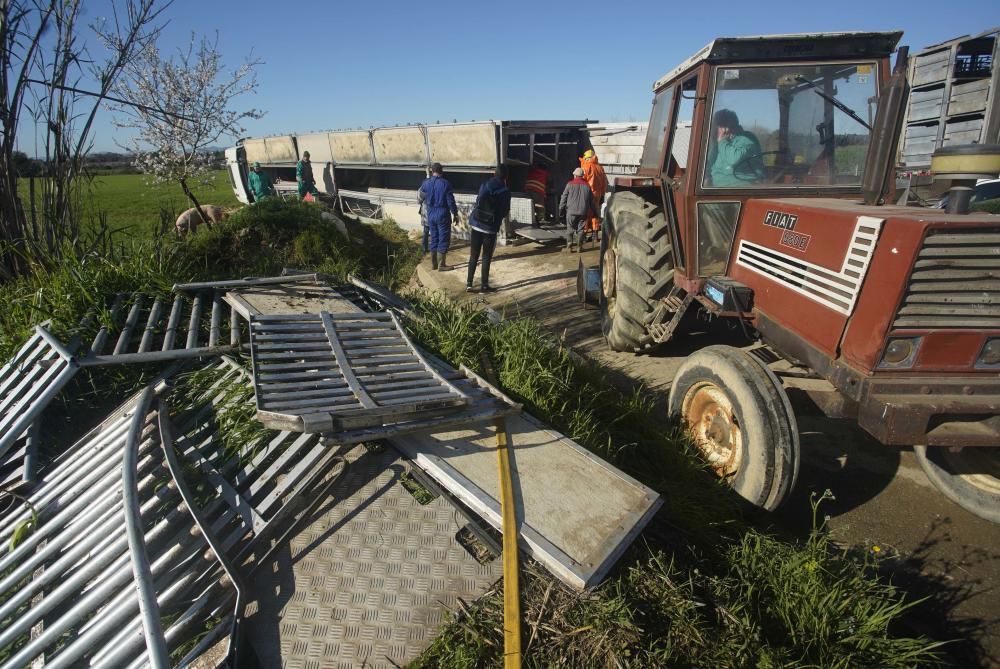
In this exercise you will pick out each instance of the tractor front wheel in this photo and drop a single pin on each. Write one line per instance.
(739, 418)
(970, 477)
(636, 269)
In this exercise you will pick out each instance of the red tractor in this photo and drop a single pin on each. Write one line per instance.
(773, 214)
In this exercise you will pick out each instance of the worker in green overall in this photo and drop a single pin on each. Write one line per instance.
(304, 177)
(735, 160)
(260, 183)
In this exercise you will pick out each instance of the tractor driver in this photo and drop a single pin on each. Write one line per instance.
(735, 158)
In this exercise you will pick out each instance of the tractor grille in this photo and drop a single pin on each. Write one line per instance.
(955, 281)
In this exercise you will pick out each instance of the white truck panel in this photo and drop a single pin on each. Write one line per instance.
(470, 145)
(400, 146)
(351, 148)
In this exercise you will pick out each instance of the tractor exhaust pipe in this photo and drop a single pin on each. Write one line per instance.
(880, 164)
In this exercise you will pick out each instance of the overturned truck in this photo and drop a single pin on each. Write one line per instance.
(376, 172)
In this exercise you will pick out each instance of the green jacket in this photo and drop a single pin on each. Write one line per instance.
(260, 185)
(304, 173)
(736, 161)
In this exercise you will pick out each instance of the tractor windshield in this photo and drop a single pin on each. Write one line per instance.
(790, 125)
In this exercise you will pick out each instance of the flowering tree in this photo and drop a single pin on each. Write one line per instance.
(179, 107)
(53, 81)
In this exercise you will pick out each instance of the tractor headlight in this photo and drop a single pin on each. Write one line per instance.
(899, 352)
(990, 355)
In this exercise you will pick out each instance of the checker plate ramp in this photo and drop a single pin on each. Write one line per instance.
(369, 582)
(331, 372)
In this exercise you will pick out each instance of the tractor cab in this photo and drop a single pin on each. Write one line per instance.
(776, 116)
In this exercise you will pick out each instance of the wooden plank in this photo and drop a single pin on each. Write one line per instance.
(338, 317)
(331, 402)
(303, 385)
(387, 361)
(292, 376)
(321, 365)
(273, 396)
(415, 391)
(430, 395)
(345, 367)
(395, 372)
(303, 355)
(390, 348)
(391, 385)
(318, 335)
(293, 346)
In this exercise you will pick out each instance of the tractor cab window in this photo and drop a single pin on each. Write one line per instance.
(656, 134)
(790, 125)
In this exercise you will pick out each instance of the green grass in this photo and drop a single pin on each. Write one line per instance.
(704, 586)
(132, 204)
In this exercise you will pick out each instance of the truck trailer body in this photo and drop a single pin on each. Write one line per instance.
(377, 172)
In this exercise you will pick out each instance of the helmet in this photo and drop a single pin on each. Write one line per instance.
(589, 153)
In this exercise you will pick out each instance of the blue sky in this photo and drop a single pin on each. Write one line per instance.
(358, 64)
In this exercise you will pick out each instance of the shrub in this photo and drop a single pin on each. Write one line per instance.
(988, 206)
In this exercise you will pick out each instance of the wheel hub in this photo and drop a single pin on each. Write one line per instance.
(609, 275)
(713, 426)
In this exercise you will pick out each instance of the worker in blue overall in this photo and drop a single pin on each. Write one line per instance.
(435, 192)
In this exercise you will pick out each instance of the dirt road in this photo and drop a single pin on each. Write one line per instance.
(883, 503)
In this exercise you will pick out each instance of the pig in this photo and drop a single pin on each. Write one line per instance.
(189, 220)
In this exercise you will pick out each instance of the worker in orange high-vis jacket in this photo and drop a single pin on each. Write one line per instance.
(595, 177)
(537, 186)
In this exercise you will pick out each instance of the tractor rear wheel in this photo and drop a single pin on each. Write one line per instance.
(637, 269)
(970, 477)
(738, 416)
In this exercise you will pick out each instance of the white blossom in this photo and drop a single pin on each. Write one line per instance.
(180, 106)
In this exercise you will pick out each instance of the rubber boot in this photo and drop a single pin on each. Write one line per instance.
(569, 242)
(434, 260)
(442, 266)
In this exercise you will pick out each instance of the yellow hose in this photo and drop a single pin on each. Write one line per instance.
(511, 589)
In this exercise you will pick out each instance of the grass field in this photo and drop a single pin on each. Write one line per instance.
(131, 203)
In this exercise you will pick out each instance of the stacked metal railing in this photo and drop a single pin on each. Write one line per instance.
(78, 589)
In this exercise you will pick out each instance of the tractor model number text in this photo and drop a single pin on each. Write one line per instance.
(795, 240)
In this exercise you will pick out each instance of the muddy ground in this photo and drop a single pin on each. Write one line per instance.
(883, 502)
